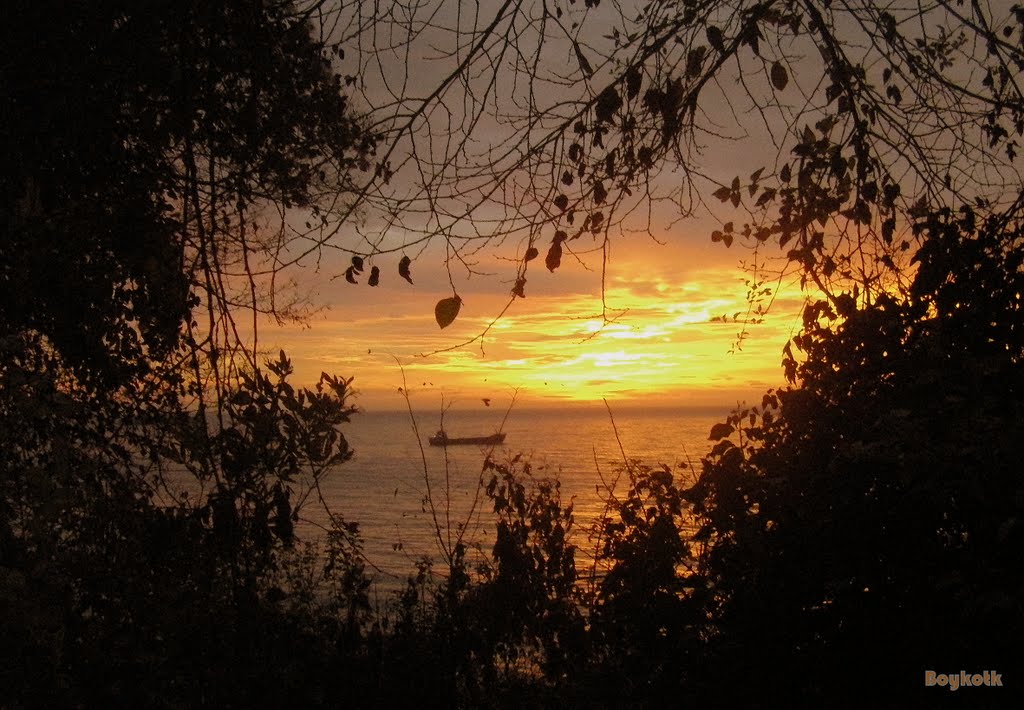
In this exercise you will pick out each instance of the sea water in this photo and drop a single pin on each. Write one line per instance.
(412, 500)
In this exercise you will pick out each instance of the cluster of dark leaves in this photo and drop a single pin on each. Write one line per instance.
(841, 173)
(525, 626)
(109, 113)
(147, 544)
(868, 522)
(115, 594)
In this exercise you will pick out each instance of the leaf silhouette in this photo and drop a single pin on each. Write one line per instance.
(633, 80)
(608, 102)
(588, 70)
(531, 254)
(715, 38)
(446, 310)
(554, 258)
(720, 431)
(695, 60)
(767, 196)
(357, 264)
(779, 76)
(350, 275)
(519, 288)
(403, 268)
(374, 276)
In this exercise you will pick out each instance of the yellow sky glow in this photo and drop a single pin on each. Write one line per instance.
(662, 346)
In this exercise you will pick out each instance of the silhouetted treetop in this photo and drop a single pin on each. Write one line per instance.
(814, 128)
(884, 492)
(152, 152)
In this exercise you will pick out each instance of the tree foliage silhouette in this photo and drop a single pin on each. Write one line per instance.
(883, 493)
(555, 126)
(168, 166)
(158, 158)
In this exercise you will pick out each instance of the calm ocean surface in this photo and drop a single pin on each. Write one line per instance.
(389, 483)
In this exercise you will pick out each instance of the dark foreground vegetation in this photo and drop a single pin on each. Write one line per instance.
(843, 536)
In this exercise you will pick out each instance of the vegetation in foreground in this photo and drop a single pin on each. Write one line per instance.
(849, 532)
(865, 524)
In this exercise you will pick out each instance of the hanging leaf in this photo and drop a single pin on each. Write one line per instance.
(518, 289)
(531, 254)
(752, 38)
(561, 202)
(767, 196)
(588, 71)
(554, 258)
(446, 310)
(357, 264)
(892, 191)
(600, 193)
(374, 276)
(608, 102)
(403, 268)
(715, 38)
(779, 76)
(695, 60)
(633, 80)
(888, 228)
(350, 275)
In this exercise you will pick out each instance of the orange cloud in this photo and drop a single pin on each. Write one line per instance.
(671, 332)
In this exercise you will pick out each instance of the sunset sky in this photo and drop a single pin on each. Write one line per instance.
(663, 348)
(664, 345)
